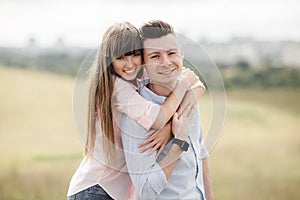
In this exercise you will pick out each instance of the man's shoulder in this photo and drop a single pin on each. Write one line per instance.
(129, 124)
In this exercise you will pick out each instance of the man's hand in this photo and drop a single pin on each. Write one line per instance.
(180, 123)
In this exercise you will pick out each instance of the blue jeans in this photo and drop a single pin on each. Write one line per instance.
(92, 193)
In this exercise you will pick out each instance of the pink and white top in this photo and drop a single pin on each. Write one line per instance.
(93, 170)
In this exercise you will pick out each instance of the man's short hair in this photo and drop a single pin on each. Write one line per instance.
(155, 29)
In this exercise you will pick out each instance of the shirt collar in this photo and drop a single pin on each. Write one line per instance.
(148, 94)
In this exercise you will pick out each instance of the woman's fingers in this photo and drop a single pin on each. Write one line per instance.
(156, 146)
(145, 148)
(150, 132)
(148, 140)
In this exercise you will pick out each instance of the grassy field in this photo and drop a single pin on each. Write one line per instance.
(257, 156)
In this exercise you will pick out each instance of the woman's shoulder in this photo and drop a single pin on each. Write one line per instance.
(119, 82)
(122, 86)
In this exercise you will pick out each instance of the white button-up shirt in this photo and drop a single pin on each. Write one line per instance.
(186, 181)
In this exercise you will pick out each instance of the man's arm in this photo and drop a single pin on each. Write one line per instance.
(207, 181)
(149, 176)
(205, 169)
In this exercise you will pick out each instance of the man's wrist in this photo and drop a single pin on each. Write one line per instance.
(183, 144)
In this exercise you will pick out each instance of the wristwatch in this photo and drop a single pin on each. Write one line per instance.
(183, 144)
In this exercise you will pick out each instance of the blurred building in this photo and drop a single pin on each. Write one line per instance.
(253, 52)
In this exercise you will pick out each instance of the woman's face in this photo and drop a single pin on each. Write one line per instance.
(128, 66)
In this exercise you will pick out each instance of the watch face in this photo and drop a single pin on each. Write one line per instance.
(185, 146)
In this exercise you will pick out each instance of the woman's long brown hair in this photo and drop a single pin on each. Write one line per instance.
(120, 39)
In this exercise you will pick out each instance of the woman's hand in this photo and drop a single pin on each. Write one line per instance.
(188, 78)
(191, 98)
(157, 140)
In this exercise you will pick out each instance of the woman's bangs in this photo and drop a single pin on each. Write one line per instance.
(126, 44)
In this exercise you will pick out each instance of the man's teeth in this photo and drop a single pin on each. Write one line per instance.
(130, 71)
(167, 72)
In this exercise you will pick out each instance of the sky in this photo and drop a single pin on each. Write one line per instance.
(82, 22)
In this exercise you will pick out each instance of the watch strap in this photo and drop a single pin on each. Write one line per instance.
(184, 145)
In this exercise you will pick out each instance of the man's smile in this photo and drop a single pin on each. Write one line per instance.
(166, 72)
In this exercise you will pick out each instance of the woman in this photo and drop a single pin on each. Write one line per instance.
(102, 173)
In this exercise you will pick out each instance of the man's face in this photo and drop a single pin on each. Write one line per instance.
(163, 59)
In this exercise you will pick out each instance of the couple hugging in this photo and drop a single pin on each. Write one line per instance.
(144, 136)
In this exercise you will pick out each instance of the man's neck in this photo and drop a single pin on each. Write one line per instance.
(162, 90)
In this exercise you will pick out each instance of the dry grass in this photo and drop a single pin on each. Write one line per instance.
(39, 146)
(257, 156)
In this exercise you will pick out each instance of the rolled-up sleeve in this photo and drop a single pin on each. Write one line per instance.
(198, 84)
(147, 176)
(203, 149)
(204, 152)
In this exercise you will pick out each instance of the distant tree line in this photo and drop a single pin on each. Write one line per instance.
(285, 77)
(51, 60)
(243, 75)
(67, 62)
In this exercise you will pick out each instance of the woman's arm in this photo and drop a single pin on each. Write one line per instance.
(127, 100)
(159, 138)
(170, 106)
(147, 114)
(191, 98)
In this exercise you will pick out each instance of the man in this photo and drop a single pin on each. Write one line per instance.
(181, 170)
